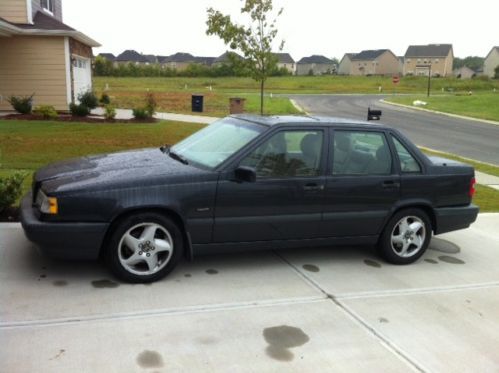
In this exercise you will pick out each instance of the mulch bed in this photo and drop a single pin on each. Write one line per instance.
(70, 118)
(9, 215)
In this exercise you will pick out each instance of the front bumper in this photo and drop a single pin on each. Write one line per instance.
(78, 241)
(453, 218)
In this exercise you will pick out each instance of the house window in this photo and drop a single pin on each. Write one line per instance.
(408, 60)
(437, 60)
(47, 5)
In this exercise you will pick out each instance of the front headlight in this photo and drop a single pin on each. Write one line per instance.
(47, 205)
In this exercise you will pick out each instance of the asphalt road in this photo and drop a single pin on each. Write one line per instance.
(471, 139)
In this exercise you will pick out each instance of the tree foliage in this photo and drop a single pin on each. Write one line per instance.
(473, 62)
(255, 40)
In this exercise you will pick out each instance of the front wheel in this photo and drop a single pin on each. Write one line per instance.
(144, 248)
(405, 237)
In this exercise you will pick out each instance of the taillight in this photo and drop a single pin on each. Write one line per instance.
(472, 187)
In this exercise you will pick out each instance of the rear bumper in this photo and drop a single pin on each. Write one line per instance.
(453, 218)
(78, 241)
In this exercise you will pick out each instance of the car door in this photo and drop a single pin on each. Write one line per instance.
(362, 183)
(285, 201)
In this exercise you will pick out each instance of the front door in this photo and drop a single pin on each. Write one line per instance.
(286, 200)
(362, 184)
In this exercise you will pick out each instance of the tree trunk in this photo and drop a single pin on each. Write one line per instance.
(262, 84)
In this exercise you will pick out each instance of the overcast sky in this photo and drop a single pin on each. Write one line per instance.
(326, 27)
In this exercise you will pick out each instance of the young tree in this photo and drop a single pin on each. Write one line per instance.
(254, 41)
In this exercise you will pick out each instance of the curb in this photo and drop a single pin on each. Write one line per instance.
(298, 107)
(440, 112)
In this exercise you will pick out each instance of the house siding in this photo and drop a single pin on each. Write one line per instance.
(385, 64)
(491, 62)
(37, 7)
(317, 68)
(34, 65)
(14, 11)
(345, 66)
(439, 65)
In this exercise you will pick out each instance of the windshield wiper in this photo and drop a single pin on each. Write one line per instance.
(178, 157)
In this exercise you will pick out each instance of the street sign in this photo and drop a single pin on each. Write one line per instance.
(395, 80)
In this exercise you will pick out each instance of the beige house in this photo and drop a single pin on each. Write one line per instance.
(345, 65)
(40, 54)
(285, 61)
(315, 65)
(374, 62)
(464, 73)
(491, 62)
(419, 59)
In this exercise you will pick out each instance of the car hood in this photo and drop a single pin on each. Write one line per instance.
(117, 170)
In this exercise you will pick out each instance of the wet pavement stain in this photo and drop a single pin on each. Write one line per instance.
(311, 268)
(100, 284)
(383, 320)
(187, 275)
(281, 339)
(443, 246)
(150, 359)
(59, 354)
(211, 271)
(60, 283)
(372, 263)
(432, 261)
(43, 275)
(450, 259)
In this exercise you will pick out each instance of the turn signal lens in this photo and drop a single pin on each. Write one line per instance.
(472, 187)
(53, 208)
(48, 205)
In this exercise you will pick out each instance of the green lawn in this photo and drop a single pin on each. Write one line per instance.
(174, 94)
(479, 105)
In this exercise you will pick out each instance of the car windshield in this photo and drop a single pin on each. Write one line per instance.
(217, 142)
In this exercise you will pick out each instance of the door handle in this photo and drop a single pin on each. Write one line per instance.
(313, 186)
(388, 184)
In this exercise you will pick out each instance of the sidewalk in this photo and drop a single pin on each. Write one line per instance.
(127, 114)
(486, 179)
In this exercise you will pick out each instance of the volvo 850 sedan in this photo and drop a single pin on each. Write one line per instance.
(247, 183)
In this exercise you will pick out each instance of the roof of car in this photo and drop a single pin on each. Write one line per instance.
(303, 119)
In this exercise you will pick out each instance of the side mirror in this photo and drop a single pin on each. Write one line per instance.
(373, 114)
(243, 173)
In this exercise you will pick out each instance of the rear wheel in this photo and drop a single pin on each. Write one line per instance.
(405, 237)
(144, 248)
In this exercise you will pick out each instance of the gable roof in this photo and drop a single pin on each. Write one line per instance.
(369, 55)
(430, 50)
(181, 57)
(42, 21)
(493, 49)
(108, 56)
(284, 58)
(131, 56)
(315, 59)
(224, 57)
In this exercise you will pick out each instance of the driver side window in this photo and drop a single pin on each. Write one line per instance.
(287, 154)
(408, 163)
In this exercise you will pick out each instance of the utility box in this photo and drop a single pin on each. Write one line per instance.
(197, 103)
(237, 105)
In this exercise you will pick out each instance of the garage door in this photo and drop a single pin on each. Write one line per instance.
(82, 76)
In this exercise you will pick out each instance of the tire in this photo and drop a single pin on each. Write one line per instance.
(144, 248)
(406, 236)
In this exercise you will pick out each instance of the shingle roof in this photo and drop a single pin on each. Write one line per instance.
(315, 59)
(131, 56)
(181, 57)
(284, 58)
(42, 21)
(368, 54)
(151, 58)
(430, 50)
(108, 56)
(225, 57)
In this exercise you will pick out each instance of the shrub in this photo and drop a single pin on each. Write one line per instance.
(109, 112)
(46, 111)
(88, 99)
(79, 110)
(496, 72)
(10, 189)
(151, 104)
(22, 104)
(141, 113)
(105, 99)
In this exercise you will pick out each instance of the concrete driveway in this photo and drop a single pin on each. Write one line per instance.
(468, 138)
(308, 310)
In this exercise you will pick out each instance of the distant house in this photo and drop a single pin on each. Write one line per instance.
(108, 56)
(207, 61)
(464, 73)
(419, 58)
(374, 62)
(401, 65)
(491, 62)
(42, 55)
(225, 58)
(345, 65)
(131, 56)
(285, 61)
(315, 65)
(151, 59)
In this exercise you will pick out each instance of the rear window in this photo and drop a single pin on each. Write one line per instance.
(408, 164)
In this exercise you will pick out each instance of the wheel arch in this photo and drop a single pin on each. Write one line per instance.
(422, 205)
(162, 210)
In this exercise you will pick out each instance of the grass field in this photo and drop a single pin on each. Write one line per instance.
(28, 145)
(480, 105)
(174, 94)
